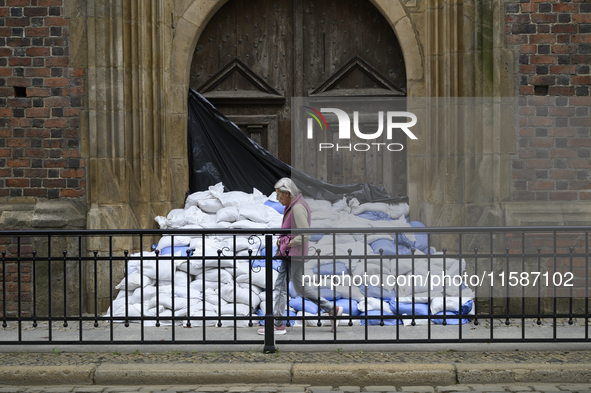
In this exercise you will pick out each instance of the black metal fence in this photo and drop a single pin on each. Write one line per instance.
(512, 284)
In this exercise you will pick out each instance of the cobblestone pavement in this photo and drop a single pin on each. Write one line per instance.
(512, 388)
(337, 357)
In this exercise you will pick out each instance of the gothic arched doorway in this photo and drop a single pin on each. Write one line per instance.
(254, 56)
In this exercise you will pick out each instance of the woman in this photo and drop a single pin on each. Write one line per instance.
(296, 216)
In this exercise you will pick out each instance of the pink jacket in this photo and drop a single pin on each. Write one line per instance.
(289, 222)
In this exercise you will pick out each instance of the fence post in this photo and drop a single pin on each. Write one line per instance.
(269, 320)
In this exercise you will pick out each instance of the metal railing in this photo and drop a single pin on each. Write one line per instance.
(56, 286)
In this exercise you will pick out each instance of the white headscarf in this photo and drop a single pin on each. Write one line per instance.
(287, 185)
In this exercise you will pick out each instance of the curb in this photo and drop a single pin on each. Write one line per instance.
(351, 374)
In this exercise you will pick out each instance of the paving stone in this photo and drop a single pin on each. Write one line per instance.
(11, 390)
(58, 389)
(519, 388)
(320, 389)
(421, 389)
(487, 388)
(270, 389)
(352, 389)
(453, 388)
(239, 389)
(380, 389)
(293, 389)
(546, 388)
(122, 389)
(575, 388)
(211, 388)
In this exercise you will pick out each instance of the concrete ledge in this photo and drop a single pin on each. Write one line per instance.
(47, 375)
(373, 374)
(186, 374)
(510, 372)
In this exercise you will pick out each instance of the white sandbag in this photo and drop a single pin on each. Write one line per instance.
(133, 281)
(163, 222)
(196, 244)
(167, 241)
(235, 198)
(452, 303)
(373, 304)
(245, 224)
(210, 205)
(166, 300)
(135, 310)
(241, 309)
(341, 205)
(240, 296)
(258, 278)
(212, 296)
(258, 213)
(165, 270)
(318, 204)
(177, 218)
(240, 268)
(193, 290)
(198, 312)
(194, 198)
(400, 266)
(420, 297)
(215, 275)
(313, 321)
(228, 214)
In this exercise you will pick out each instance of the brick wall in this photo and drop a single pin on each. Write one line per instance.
(554, 143)
(40, 102)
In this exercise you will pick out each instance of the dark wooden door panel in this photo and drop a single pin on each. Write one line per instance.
(255, 55)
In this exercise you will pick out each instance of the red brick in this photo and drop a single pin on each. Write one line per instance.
(55, 163)
(56, 123)
(18, 82)
(54, 183)
(71, 112)
(38, 133)
(585, 195)
(23, 122)
(54, 102)
(57, 62)
(569, 8)
(580, 185)
(541, 142)
(526, 90)
(543, 59)
(5, 52)
(38, 92)
(540, 185)
(563, 196)
(35, 11)
(563, 111)
(5, 112)
(19, 102)
(579, 164)
(564, 29)
(37, 72)
(579, 142)
(4, 32)
(527, 111)
(563, 38)
(581, 38)
(562, 174)
(527, 69)
(37, 192)
(580, 80)
(580, 121)
(18, 142)
(561, 90)
(71, 193)
(524, 174)
(17, 22)
(36, 153)
(528, 49)
(517, 39)
(4, 153)
(71, 153)
(37, 112)
(542, 39)
(35, 173)
(579, 101)
(19, 62)
(563, 69)
(76, 72)
(56, 82)
(16, 41)
(540, 121)
(562, 153)
(581, 18)
(542, 80)
(50, 3)
(56, 21)
(37, 32)
(527, 7)
(544, 18)
(38, 51)
(74, 91)
(68, 173)
(539, 164)
(517, 18)
(17, 182)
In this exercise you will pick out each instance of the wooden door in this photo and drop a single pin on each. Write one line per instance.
(255, 55)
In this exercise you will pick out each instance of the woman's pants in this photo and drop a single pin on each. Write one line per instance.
(296, 266)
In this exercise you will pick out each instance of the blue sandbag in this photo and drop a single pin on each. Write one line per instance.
(406, 308)
(466, 308)
(344, 304)
(316, 236)
(389, 318)
(261, 262)
(297, 304)
(389, 247)
(276, 205)
(328, 269)
(378, 292)
(182, 249)
(374, 216)
(326, 293)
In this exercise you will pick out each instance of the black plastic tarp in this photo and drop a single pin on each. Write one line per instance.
(220, 152)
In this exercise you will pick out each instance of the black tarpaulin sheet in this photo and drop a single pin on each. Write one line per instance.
(220, 152)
